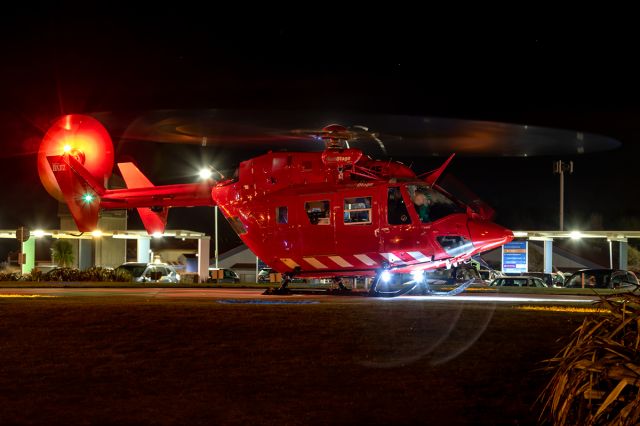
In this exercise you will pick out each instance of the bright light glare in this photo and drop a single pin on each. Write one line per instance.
(66, 148)
(157, 234)
(575, 235)
(386, 276)
(417, 276)
(87, 198)
(205, 174)
(38, 233)
(97, 233)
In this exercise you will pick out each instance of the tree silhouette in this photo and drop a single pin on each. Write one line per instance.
(62, 253)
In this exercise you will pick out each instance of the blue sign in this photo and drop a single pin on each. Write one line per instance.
(515, 257)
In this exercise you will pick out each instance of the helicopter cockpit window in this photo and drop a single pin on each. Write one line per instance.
(397, 213)
(430, 204)
(357, 211)
(318, 212)
(282, 215)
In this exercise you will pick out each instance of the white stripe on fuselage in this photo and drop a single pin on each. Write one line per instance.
(289, 262)
(315, 263)
(365, 259)
(340, 261)
(419, 256)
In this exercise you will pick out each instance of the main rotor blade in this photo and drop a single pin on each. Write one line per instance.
(393, 135)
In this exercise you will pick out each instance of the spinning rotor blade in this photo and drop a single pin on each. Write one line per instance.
(376, 134)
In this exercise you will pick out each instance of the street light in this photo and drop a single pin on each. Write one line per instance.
(206, 174)
(559, 167)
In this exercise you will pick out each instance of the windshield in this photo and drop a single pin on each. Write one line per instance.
(430, 204)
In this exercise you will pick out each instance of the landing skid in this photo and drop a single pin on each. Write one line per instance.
(339, 290)
(377, 288)
(284, 287)
(459, 289)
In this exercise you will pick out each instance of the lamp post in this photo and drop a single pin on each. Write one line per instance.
(216, 230)
(559, 167)
(206, 174)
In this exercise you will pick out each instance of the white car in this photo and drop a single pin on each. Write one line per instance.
(150, 272)
(518, 282)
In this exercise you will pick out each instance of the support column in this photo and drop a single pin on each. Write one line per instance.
(85, 254)
(29, 252)
(204, 244)
(610, 254)
(623, 255)
(144, 245)
(548, 256)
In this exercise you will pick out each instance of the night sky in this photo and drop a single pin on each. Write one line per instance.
(56, 61)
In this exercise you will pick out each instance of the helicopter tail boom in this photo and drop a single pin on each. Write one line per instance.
(85, 196)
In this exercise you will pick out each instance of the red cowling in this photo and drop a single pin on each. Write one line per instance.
(84, 138)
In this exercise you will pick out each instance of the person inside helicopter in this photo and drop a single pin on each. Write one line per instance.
(422, 202)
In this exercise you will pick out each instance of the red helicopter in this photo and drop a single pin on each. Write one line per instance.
(330, 214)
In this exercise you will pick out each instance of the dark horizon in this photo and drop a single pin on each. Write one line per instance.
(56, 63)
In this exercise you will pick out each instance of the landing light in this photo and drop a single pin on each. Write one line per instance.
(386, 276)
(418, 276)
(205, 174)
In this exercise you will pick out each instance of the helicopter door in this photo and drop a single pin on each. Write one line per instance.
(397, 232)
(357, 220)
(317, 228)
(283, 236)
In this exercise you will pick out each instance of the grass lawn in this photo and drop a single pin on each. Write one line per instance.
(130, 360)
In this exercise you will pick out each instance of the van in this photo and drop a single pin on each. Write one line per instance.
(222, 275)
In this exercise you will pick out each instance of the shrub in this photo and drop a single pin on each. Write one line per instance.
(596, 378)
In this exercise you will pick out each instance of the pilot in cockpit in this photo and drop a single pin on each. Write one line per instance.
(421, 202)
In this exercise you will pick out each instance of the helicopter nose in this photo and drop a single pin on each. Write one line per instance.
(488, 235)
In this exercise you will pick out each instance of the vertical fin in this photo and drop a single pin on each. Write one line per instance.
(154, 219)
(80, 190)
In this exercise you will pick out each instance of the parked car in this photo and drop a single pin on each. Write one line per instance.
(489, 275)
(603, 278)
(150, 272)
(552, 279)
(228, 276)
(520, 281)
(264, 276)
(558, 279)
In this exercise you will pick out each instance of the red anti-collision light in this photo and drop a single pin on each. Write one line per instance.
(84, 138)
